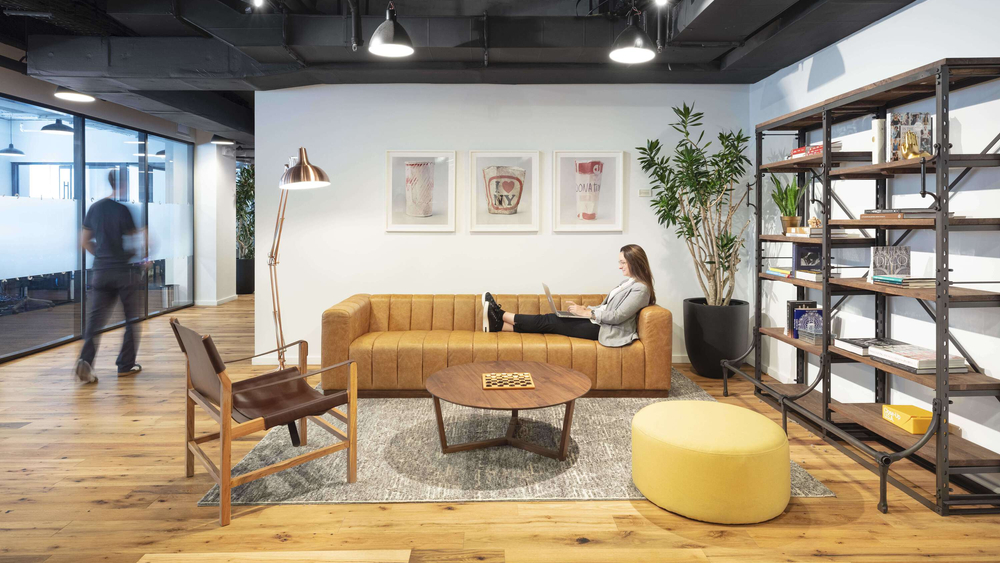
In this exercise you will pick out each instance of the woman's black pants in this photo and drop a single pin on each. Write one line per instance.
(554, 324)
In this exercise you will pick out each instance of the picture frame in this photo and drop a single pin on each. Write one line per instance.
(429, 203)
(576, 205)
(504, 191)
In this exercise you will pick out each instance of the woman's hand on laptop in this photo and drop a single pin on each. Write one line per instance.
(578, 310)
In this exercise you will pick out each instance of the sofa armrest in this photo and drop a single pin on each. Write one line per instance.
(342, 324)
(656, 331)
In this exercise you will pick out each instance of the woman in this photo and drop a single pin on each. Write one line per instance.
(612, 323)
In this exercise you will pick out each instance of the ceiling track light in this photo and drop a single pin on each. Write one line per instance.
(72, 95)
(632, 45)
(57, 128)
(220, 140)
(390, 39)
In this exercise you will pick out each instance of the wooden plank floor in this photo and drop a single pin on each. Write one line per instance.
(96, 473)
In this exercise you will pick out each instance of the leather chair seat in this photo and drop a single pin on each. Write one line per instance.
(282, 403)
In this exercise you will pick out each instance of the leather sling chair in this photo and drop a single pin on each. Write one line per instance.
(277, 398)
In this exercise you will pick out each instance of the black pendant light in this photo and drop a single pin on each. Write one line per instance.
(390, 39)
(10, 150)
(57, 128)
(633, 45)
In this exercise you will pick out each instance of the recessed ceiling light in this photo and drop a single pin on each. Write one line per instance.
(220, 140)
(72, 95)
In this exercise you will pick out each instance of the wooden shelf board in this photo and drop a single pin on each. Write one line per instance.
(812, 401)
(912, 166)
(956, 381)
(955, 293)
(804, 283)
(804, 163)
(855, 241)
(962, 453)
(986, 223)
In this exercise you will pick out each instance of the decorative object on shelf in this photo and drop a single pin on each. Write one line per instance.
(505, 191)
(815, 223)
(878, 141)
(245, 230)
(787, 198)
(588, 191)
(694, 192)
(807, 257)
(420, 191)
(913, 419)
(791, 306)
(299, 175)
(911, 135)
(808, 319)
(889, 261)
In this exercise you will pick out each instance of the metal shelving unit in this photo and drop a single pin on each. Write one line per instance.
(857, 429)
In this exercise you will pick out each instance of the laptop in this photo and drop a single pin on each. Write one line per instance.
(548, 295)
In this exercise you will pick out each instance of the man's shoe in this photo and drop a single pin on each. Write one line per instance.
(84, 373)
(130, 371)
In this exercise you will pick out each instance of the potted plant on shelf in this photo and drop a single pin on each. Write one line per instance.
(694, 191)
(244, 230)
(787, 197)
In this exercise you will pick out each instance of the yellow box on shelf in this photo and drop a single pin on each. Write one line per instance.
(914, 420)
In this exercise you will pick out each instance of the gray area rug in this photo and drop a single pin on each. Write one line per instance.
(400, 459)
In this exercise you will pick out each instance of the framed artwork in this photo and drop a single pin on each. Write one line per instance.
(505, 191)
(420, 191)
(588, 191)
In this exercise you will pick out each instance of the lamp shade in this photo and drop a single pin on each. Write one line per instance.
(72, 95)
(220, 140)
(57, 128)
(390, 39)
(303, 176)
(11, 151)
(632, 45)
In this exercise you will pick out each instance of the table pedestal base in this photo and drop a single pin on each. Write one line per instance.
(508, 439)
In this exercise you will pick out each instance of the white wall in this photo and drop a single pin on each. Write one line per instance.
(214, 225)
(962, 28)
(334, 244)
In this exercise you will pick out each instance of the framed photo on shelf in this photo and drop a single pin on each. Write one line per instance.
(420, 191)
(588, 191)
(505, 191)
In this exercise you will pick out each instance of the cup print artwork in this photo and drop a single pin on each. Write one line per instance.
(588, 188)
(419, 188)
(504, 186)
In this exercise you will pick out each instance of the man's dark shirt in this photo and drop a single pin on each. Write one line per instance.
(110, 222)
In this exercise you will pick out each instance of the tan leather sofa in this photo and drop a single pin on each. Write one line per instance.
(398, 341)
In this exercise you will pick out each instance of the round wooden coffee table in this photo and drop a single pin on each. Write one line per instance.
(463, 385)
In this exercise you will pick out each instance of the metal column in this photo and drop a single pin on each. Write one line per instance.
(881, 300)
(758, 261)
(800, 292)
(824, 359)
(943, 148)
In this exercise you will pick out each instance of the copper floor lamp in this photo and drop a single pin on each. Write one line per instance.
(299, 176)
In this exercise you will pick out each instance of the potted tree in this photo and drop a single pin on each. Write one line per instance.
(244, 230)
(695, 191)
(787, 197)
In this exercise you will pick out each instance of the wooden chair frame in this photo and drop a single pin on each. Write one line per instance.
(228, 431)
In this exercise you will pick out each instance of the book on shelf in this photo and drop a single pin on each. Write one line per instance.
(817, 233)
(911, 356)
(906, 210)
(884, 215)
(905, 281)
(917, 125)
(860, 346)
(813, 150)
(889, 261)
(814, 338)
(813, 275)
(791, 306)
(807, 319)
(780, 272)
(921, 371)
(807, 257)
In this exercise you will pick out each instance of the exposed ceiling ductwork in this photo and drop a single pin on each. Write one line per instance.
(186, 60)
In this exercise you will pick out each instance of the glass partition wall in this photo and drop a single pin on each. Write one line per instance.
(53, 167)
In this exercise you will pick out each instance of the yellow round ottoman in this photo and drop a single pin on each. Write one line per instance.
(711, 461)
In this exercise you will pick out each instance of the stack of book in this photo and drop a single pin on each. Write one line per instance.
(905, 282)
(813, 150)
(907, 357)
(817, 233)
(780, 272)
(902, 213)
(793, 306)
(813, 275)
(808, 323)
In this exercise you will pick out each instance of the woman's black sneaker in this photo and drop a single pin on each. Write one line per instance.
(492, 314)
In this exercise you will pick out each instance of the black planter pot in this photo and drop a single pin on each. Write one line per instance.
(244, 276)
(713, 333)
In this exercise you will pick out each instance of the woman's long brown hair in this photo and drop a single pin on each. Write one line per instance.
(638, 266)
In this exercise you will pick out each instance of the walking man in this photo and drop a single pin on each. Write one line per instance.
(106, 228)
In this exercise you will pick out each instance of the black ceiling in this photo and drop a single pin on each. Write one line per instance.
(197, 62)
